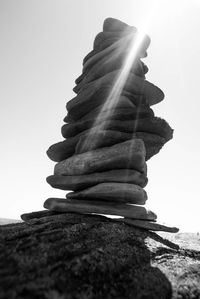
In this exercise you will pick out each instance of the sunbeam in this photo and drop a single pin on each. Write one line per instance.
(133, 46)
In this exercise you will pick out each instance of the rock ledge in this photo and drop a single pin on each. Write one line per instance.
(67, 255)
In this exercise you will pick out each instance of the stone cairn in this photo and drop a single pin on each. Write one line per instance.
(110, 132)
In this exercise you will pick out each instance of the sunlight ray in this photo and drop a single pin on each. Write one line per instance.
(134, 43)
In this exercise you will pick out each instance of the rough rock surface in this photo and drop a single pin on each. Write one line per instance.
(85, 256)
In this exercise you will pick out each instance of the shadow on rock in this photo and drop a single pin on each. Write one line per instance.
(78, 256)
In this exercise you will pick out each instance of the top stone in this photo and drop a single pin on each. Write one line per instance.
(111, 24)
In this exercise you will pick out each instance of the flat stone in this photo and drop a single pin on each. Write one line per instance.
(115, 26)
(36, 215)
(99, 138)
(115, 121)
(78, 182)
(90, 54)
(103, 36)
(129, 154)
(124, 44)
(90, 140)
(141, 70)
(80, 78)
(121, 42)
(112, 192)
(104, 67)
(153, 125)
(87, 102)
(112, 27)
(100, 114)
(153, 143)
(90, 206)
(112, 24)
(76, 144)
(96, 55)
(85, 141)
(96, 51)
(63, 149)
(94, 94)
(134, 85)
(108, 64)
(106, 39)
(78, 108)
(149, 225)
(60, 151)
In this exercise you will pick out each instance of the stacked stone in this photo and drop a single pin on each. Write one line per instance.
(110, 132)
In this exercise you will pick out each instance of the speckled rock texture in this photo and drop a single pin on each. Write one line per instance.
(72, 256)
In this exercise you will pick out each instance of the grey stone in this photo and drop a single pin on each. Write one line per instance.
(96, 51)
(98, 207)
(104, 36)
(36, 215)
(80, 106)
(153, 125)
(61, 150)
(118, 119)
(153, 143)
(89, 55)
(96, 94)
(78, 182)
(129, 154)
(87, 100)
(122, 45)
(89, 140)
(104, 40)
(112, 192)
(149, 225)
(99, 138)
(114, 25)
(117, 36)
(100, 113)
(134, 85)
(109, 64)
(98, 55)
(64, 149)
(140, 70)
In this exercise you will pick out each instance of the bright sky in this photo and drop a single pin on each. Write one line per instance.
(42, 47)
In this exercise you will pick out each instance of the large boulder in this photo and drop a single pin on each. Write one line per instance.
(72, 256)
